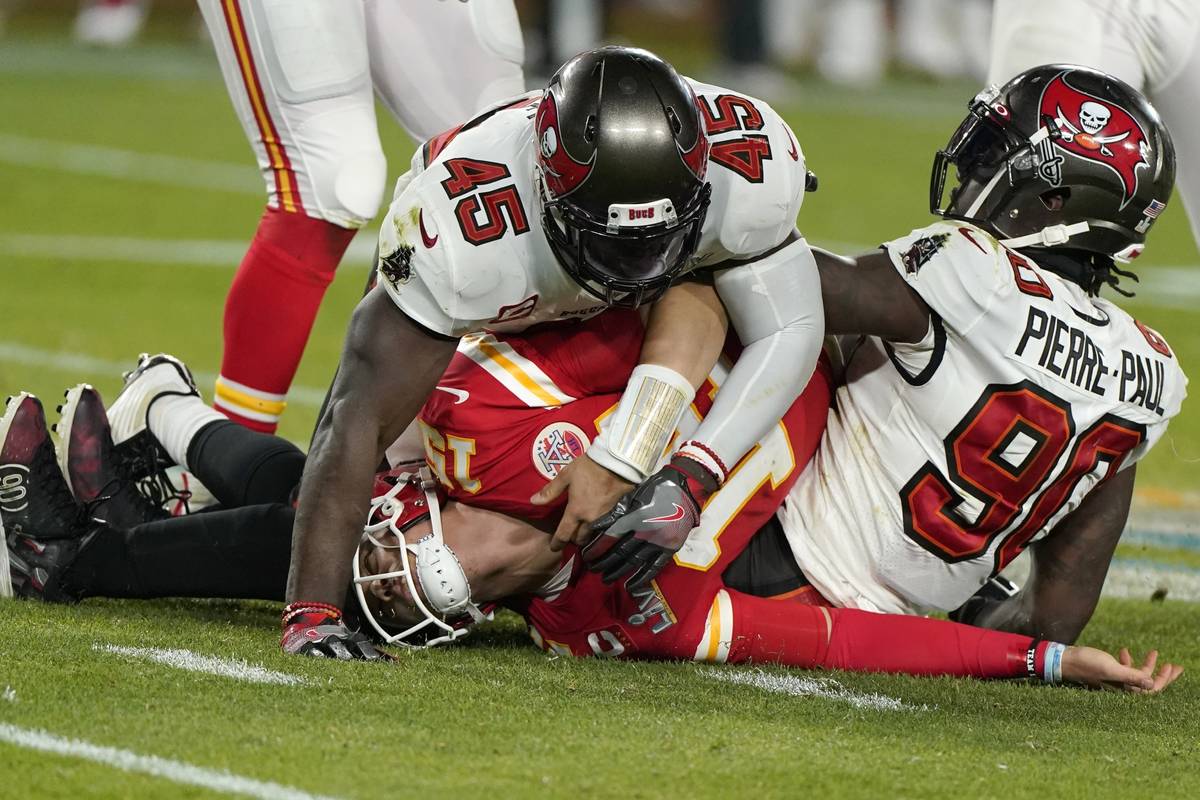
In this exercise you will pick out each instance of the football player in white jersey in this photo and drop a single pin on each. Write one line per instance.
(997, 403)
(603, 190)
(302, 76)
(1153, 45)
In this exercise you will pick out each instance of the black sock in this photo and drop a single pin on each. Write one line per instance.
(240, 553)
(242, 467)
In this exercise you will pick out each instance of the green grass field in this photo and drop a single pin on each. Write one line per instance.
(127, 198)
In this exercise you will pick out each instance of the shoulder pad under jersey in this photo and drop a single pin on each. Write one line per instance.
(757, 172)
(461, 246)
(958, 269)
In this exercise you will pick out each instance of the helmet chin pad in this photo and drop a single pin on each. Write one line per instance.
(428, 566)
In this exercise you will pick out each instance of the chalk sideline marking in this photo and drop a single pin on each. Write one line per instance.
(802, 686)
(177, 771)
(195, 662)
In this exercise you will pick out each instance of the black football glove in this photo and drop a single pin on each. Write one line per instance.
(317, 629)
(647, 526)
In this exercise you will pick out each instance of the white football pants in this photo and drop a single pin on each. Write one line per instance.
(300, 74)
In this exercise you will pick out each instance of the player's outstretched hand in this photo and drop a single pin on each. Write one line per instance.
(647, 526)
(317, 629)
(1097, 669)
(591, 491)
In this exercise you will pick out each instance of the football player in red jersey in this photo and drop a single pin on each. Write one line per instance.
(492, 436)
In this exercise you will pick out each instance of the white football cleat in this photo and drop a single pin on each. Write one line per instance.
(154, 377)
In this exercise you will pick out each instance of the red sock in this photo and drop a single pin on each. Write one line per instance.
(270, 311)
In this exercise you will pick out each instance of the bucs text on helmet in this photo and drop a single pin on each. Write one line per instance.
(621, 160)
(1061, 156)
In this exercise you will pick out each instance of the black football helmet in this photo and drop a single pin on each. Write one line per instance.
(621, 159)
(1061, 156)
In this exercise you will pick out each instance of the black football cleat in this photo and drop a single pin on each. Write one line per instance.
(38, 569)
(34, 498)
(95, 476)
(42, 526)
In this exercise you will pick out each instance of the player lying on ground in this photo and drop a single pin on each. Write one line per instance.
(602, 190)
(997, 403)
(739, 599)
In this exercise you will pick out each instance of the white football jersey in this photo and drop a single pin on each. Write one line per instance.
(943, 459)
(462, 247)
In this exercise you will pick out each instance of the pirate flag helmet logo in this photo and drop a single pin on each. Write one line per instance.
(621, 155)
(1097, 129)
(1061, 156)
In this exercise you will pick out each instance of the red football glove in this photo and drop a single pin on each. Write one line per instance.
(317, 629)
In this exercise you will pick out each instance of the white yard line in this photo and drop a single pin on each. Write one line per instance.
(226, 253)
(211, 665)
(84, 366)
(802, 686)
(114, 162)
(221, 781)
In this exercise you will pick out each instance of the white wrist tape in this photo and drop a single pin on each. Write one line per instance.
(634, 437)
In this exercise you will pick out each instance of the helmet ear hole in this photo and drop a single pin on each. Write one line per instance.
(590, 126)
(673, 119)
(1056, 199)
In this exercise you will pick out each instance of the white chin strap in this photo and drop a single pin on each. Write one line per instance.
(439, 571)
(1050, 236)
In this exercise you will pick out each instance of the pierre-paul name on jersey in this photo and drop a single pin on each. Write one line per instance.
(1066, 350)
(463, 244)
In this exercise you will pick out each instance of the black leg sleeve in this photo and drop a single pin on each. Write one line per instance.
(242, 467)
(239, 554)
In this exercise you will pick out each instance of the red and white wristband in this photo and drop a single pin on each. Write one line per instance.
(706, 456)
(293, 610)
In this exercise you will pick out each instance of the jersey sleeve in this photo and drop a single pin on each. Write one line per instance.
(757, 172)
(957, 269)
(444, 284)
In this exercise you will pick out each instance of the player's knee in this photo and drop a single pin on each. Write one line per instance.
(347, 167)
(358, 185)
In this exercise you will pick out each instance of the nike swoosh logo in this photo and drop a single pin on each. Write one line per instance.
(426, 239)
(678, 515)
(461, 394)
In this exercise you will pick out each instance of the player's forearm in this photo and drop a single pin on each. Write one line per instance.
(686, 332)
(775, 307)
(334, 496)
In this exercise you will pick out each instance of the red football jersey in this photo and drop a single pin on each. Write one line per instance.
(512, 410)
(690, 613)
